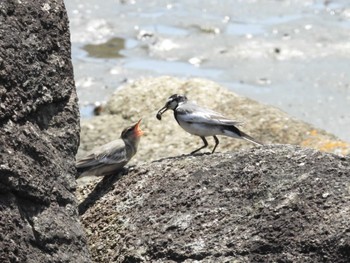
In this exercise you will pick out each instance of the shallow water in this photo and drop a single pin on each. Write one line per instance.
(290, 54)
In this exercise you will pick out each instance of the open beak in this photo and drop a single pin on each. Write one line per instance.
(137, 129)
(160, 112)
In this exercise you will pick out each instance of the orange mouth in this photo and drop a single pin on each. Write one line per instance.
(137, 129)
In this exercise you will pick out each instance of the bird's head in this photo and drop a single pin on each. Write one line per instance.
(132, 132)
(172, 103)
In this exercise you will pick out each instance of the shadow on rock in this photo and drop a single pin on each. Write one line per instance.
(101, 189)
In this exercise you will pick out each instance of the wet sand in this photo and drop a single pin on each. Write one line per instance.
(290, 54)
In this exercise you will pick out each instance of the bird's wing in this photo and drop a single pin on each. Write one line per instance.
(110, 153)
(194, 113)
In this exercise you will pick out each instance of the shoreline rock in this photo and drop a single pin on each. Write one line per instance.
(246, 203)
(263, 204)
(39, 135)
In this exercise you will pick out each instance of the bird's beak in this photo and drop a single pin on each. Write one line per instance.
(137, 129)
(160, 112)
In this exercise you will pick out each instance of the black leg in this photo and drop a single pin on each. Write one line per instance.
(205, 145)
(216, 143)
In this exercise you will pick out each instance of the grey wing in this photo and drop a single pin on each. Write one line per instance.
(194, 113)
(111, 153)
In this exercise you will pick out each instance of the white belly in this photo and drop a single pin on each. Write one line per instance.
(201, 129)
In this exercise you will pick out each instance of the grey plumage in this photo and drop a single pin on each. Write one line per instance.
(111, 157)
(202, 122)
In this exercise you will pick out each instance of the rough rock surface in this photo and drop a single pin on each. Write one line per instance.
(248, 205)
(265, 204)
(39, 125)
(165, 138)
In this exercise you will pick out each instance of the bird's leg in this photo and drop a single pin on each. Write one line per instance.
(205, 145)
(216, 143)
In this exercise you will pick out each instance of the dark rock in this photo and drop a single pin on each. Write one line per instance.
(265, 204)
(39, 130)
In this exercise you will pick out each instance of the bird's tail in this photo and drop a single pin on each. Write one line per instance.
(235, 132)
(250, 138)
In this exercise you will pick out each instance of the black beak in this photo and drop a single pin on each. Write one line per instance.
(160, 112)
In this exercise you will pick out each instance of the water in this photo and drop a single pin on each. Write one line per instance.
(290, 54)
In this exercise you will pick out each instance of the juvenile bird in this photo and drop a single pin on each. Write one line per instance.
(111, 157)
(202, 122)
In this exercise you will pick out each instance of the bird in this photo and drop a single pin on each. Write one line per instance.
(111, 157)
(202, 122)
